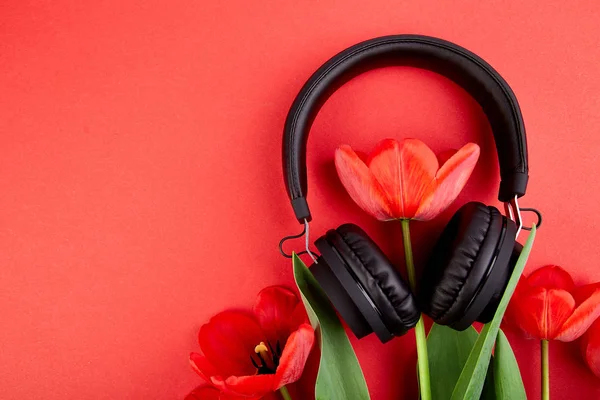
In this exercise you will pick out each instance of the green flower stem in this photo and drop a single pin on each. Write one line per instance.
(422, 358)
(284, 393)
(545, 372)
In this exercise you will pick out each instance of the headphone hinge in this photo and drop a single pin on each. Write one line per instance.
(512, 210)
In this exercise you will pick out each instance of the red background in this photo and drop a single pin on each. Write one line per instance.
(140, 178)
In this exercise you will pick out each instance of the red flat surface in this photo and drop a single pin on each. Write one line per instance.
(140, 177)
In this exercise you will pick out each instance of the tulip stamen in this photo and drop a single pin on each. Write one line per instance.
(261, 349)
(268, 358)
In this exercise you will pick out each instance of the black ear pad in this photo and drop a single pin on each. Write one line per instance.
(469, 267)
(354, 264)
(378, 276)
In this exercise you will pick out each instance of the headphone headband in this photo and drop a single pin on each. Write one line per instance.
(466, 69)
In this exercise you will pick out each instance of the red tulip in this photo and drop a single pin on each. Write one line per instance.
(252, 354)
(546, 305)
(404, 180)
(590, 341)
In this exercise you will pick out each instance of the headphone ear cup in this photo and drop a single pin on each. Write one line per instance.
(382, 281)
(469, 266)
(363, 284)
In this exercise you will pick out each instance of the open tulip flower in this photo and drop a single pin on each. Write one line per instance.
(547, 306)
(248, 355)
(404, 180)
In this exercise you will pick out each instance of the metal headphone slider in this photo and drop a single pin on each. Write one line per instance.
(306, 233)
(512, 210)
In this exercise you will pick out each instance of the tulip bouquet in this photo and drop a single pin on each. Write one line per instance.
(251, 355)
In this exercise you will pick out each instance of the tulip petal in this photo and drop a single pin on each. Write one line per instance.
(445, 156)
(202, 366)
(295, 354)
(274, 309)
(551, 277)
(211, 393)
(204, 393)
(249, 386)
(581, 319)
(448, 182)
(218, 382)
(299, 317)
(404, 171)
(590, 347)
(581, 293)
(361, 185)
(543, 312)
(226, 396)
(228, 341)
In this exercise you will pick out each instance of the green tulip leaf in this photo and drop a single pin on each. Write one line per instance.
(472, 377)
(507, 377)
(340, 376)
(448, 353)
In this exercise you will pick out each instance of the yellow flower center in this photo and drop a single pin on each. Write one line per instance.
(266, 358)
(262, 350)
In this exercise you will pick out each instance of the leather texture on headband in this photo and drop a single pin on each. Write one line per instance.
(466, 69)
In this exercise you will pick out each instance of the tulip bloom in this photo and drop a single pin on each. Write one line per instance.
(547, 306)
(590, 341)
(248, 355)
(404, 180)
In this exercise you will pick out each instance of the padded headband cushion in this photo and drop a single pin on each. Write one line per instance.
(466, 69)
(460, 262)
(377, 275)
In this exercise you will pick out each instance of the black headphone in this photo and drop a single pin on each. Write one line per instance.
(475, 255)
